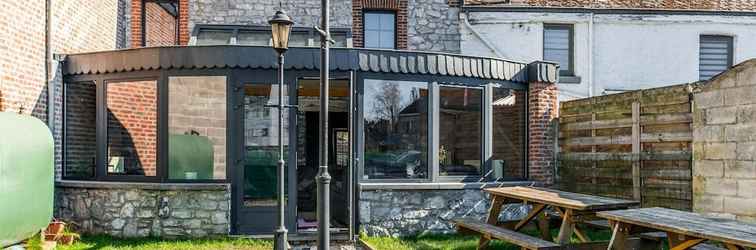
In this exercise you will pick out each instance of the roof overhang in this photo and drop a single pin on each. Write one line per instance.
(343, 59)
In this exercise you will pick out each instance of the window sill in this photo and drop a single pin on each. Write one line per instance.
(569, 79)
(441, 185)
(141, 185)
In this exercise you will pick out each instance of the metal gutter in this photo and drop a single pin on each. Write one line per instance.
(499, 8)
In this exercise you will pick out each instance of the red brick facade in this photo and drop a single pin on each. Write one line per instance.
(162, 25)
(627, 4)
(132, 125)
(543, 109)
(399, 6)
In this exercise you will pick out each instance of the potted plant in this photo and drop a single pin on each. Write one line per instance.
(54, 229)
(68, 238)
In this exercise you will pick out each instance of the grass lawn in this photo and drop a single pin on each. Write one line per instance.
(456, 242)
(101, 242)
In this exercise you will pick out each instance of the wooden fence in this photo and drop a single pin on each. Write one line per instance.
(632, 145)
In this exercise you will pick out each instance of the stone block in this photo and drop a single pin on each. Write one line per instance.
(720, 186)
(746, 151)
(746, 76)
(719, 151)
(721, 115)
(708, 203)
(740, 206)
(746, 114)
(738, 96)
(747, 189)
(741, 170)
(709, 134)
(709, 99)
(740, 133)
(708, 168)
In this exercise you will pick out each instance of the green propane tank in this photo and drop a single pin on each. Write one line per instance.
(190, 157)
(26, 177)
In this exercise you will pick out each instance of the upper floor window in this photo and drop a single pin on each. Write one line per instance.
(380, 29)
(159, 22)
(714, 55)
(261, 36)
(558, 47)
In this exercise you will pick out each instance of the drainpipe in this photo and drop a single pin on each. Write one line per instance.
(479, 36)
(590, 55)
(48, 73)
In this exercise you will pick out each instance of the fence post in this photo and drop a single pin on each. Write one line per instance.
(636, 140)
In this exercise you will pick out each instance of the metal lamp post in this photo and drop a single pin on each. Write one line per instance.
(281, 28)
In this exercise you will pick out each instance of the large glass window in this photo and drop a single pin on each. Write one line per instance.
(80, 129)
(380, 29)
(396, 129)
(508, 108)
(132, 127)
(197, 127)
(459, 151)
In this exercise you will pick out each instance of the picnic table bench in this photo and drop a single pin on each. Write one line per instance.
(684, 229)
(572, 208)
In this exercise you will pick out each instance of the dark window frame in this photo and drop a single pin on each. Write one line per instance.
(143, 19)
(235, 30)
(64, 128)
(482, 139)
(730, 40)
(571, 29)
(380, 11)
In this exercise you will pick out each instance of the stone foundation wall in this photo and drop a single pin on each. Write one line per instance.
(139, 210)
(409, 212)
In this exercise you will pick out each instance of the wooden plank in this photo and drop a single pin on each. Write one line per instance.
(627, 139)
(689, 224)
(511, 236)
(636, 141)
(601, 156)
(645, 120)
(558, 198)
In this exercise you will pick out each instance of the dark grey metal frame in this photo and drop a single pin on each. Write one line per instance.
(262, 28)
(571, 29)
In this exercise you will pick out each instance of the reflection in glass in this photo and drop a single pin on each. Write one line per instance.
(197, 127)
(508, 161)
(261, 144)
(80, 129)
(459, 133)
(132, 128)
(396, 123)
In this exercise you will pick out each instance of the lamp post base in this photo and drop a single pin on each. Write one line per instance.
(281, 241)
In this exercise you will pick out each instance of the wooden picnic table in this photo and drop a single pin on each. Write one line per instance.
(684, 229)
(572, 208)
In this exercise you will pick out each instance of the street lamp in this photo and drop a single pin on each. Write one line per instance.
(281, 27)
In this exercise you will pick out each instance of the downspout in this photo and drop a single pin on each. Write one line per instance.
(479, 36)
(590, 55)
(48, 73)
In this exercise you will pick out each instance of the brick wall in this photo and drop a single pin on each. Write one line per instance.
(542, 108)
(626, 4)
(724, 149)
(397, 6)
(162, 24)
(132, 125)
(80, 133)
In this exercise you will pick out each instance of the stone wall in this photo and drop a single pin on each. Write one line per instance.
(409, 212)
(139, 210)
(724, 134)
(433, 26)
(305, 13)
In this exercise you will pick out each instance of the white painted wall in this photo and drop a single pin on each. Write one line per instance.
(629, 51)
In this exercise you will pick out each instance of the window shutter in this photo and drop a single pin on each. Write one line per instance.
(714, 56)
(557, 46)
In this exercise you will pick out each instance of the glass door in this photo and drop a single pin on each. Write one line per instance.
(260, 154)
